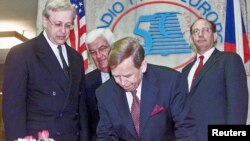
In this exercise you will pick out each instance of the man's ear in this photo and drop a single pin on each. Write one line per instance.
(45, 21)
(215, 36)
(144, 65)
(192, 44)
(191, 39)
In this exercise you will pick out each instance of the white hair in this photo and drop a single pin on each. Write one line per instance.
(58, 5)
(100, 32)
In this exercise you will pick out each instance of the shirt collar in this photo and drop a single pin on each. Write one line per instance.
(48, 40)
(206, 55)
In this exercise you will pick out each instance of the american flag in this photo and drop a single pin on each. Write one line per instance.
(78, 34)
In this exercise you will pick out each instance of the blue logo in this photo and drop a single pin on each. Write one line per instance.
(163, 36)
(163, 26)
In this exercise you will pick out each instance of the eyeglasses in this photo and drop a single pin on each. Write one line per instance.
(101, 49)
(61, 25)
(204, 30)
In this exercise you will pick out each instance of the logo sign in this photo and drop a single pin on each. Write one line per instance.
(162, 26)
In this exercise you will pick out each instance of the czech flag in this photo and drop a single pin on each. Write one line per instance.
(235, 35)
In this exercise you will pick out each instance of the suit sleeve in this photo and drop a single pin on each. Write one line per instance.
(14, 95)
(185, 128)
(84, 133)
(105, 130)
(83, 118)
(236, 90)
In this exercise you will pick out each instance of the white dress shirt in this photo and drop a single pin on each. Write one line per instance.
(130, 97)
(206, 55)
(105, 76)
(56, 51)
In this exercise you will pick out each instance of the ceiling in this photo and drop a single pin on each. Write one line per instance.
(20, 16)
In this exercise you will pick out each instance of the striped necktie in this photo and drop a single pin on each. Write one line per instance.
(65, 66)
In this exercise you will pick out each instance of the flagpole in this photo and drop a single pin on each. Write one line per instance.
(238, 29)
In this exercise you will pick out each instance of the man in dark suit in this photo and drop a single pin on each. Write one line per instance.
(142, 101)
(218, 93)
(44, 83)
(98, 43)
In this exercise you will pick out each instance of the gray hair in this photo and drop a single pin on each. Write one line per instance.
(100, 32)
(58, 5)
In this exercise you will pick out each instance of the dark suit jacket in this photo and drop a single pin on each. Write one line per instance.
(160, 86)
(37, 95)
(219, 95)
(93, 81)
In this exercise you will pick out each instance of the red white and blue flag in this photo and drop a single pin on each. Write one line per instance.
(78, 34)
(235, 35)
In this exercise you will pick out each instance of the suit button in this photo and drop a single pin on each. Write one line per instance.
(54, 93)
(58, 133)
(77, 133)
(61, 115)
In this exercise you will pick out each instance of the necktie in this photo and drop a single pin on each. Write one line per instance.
(200, 65)
(135, 111)
(65, 66)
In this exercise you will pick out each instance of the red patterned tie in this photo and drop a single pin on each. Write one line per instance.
(135, 111)
(198, 68)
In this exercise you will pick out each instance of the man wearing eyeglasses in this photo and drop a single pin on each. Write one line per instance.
(98, 43)
(44, 82)
(217, 93)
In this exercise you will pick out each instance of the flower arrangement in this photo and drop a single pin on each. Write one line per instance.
(42, 136)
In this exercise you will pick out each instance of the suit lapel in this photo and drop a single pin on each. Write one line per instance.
(122, 107)
(185, 73)
(48, 58)
(210, 62)
(72, 75)
(98, 79)
(72, 65)
(148, 98)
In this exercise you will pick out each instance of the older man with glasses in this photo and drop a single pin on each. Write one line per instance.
(44, 82)
(98, 43)
(215, 82)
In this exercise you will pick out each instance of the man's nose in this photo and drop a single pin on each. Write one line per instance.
(63, 29)
(123, 81)
(98, 54)
(201, 33)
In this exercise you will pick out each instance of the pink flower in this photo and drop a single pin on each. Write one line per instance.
(43, 134)
(29, 138)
